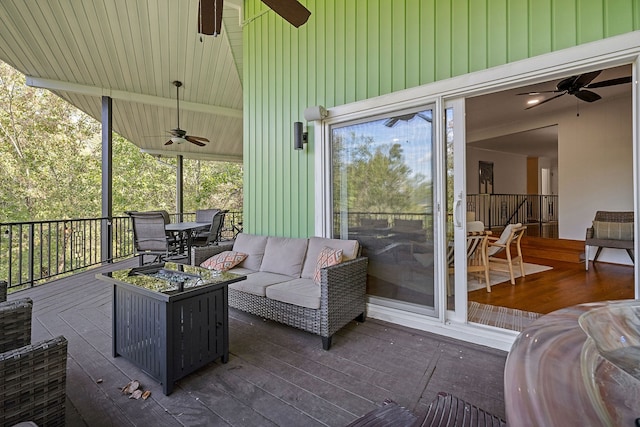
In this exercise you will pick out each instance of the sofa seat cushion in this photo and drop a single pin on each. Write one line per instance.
(350, 249)
(256, 283)
(300, 292)
(284, 255)
(252, 245)
(242, 271)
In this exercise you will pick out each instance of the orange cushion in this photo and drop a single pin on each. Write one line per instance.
(326, 258)
(224, 261)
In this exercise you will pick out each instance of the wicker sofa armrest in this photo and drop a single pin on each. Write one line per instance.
(33, 381)
(3, 291)
(15, 323)
(589, 234)
(343, 289)
(199, 254)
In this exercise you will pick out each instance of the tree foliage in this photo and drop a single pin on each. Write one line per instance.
(50, 163)
(377, 178)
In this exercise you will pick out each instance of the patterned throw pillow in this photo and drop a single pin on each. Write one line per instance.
(326, 258)
(224, 261)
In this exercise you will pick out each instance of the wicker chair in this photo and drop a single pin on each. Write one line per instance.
(32, 376)
(446, 410)
(3, 291)
(610, 230)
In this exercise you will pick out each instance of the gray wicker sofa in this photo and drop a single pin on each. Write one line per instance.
(280, 283)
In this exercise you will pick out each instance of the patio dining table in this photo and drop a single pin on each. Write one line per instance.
(186, 231)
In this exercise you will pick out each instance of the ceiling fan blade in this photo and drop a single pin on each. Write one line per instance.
(195, 141)
(391, 122)
(199, 138)
(169, 142)
(545, 101)
(538, 92)
(291, 10)
(587, 95)
(586, 78)
(612, 82)
(210, 17)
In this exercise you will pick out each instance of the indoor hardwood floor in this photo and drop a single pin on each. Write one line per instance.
(565, 285)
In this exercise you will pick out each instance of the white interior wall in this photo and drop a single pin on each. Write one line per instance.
(594, 170)
(595, 157)
(509, 171)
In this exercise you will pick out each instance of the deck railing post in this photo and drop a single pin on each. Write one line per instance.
(32, 251)
(106, 240)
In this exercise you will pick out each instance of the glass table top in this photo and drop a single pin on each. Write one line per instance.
(171, 278)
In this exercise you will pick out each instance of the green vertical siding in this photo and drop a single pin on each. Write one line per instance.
(351, 50)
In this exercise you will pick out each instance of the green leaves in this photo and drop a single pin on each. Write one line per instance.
(50, 158)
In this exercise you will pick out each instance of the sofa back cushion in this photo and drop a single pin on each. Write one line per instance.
(252, 245)
(284, 255)
(350, 250)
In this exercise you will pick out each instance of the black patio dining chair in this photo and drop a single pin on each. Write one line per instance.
(206, 215)
(151, 238)
(214, 234)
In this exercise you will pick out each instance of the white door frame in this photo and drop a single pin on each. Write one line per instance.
(606, 53)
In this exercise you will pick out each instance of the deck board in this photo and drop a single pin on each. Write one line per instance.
(276, 375)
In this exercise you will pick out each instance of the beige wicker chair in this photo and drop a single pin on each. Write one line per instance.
(32, 376)
(615, 230)
(512, 234)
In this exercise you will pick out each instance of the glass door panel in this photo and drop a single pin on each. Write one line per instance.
(382, 173)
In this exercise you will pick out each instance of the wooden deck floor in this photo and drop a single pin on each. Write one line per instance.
(276, 375)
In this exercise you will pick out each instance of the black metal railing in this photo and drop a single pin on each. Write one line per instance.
(33, 252)
(498, 210)
(381, 220)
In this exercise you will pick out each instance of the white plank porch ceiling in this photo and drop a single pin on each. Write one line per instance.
(132, 51)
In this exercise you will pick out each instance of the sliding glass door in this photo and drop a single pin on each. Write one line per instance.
(383, 192)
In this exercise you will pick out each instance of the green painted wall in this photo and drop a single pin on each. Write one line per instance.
(351, 50)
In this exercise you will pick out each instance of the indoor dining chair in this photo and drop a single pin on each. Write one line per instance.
(511, 235)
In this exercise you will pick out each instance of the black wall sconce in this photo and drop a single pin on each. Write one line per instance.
(299, 136)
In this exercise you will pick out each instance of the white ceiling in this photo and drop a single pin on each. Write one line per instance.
(132, 51)
(487, 114)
